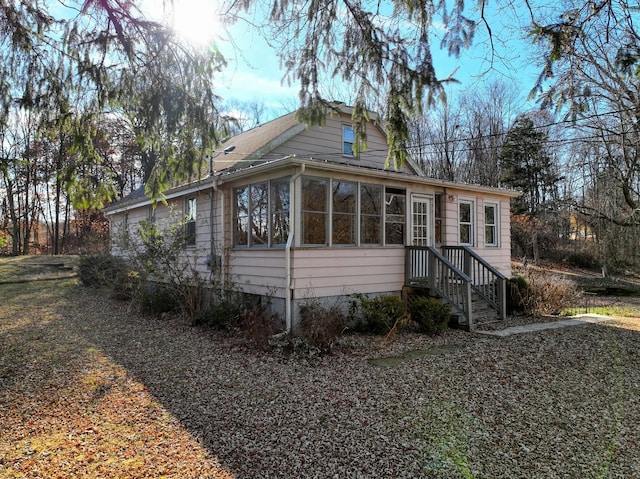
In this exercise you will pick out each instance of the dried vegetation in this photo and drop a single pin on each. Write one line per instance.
(90, 389)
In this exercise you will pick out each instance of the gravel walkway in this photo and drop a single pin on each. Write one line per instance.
(559, 403)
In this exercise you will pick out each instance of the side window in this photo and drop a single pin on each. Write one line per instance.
(465, 222)
(347, 140)
(125, 230)
(241, 216)
(190, 222)
(491, 224)
(151, 216)
(394, 215)
(314, 210)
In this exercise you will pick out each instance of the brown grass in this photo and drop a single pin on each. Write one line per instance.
(68, 410)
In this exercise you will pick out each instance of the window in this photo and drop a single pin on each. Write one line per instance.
(314, 210)
(241, 216)
(348, 138)
(370, 214)
(394, 217)
(279, 211)
(190, 222)
(261, 213)
(352, 209)
(491, 224)
(437, 218)
(125, 230)
(343, 219)
(465, 222)
(151, 216)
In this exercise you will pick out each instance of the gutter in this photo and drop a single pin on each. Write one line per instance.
(290, 239)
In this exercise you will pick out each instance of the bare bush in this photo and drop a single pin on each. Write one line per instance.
(549, 293)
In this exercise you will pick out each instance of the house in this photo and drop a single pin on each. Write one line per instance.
(292, 212)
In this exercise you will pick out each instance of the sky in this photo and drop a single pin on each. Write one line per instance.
(253, 73)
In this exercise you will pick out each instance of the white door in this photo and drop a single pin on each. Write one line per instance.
(421, 221)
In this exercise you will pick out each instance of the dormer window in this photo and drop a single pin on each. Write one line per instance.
(347, 140)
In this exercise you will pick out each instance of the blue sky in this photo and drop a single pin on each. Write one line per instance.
(253, 73)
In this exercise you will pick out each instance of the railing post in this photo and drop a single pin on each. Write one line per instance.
(502, 298)
(408, 261)
(466, 266)
(469, 309)
(432, 271)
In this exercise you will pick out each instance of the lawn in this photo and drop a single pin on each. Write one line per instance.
(88, 388)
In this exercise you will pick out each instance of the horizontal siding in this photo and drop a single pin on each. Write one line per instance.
(330, 272)
(259, 271)
(325, 143)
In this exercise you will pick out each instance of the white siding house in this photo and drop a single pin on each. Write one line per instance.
(292, 213)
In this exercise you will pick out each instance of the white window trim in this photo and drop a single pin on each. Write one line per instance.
(496, 224)
(191, 217)
(472, 232)
(345, 126)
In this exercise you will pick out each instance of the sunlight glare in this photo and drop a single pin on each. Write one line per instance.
(196, 21)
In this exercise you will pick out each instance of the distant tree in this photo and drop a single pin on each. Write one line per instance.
(87, 58)
(436, 142)
(528, 166)
(487, 113)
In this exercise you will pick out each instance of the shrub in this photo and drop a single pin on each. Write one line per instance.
(157, 300)
(321, 325)
(431, 314)
(550, 294)
(106, 271)
(583, 259)
(224, 314)
(378, 315)
(257, 325)
(517, 294)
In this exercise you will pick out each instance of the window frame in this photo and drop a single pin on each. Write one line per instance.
(470, 224)
(190, 221)
(349, 140)
(363, 217)
(326, 212)
(438, 218)
(267, 214)
(394, 218)
(495, 225)
(348, 216)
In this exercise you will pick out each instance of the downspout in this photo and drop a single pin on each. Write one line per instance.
(290, 239)
(212, 245)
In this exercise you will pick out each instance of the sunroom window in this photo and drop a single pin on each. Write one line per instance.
(370, 214)
(343, 219)
(314, 210)
(261, 213)
(394, 217)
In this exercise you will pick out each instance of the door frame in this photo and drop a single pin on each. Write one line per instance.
(427, 215)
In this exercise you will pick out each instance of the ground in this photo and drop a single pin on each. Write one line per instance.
(89, 388)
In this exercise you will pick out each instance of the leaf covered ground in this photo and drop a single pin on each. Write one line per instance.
(88, 388)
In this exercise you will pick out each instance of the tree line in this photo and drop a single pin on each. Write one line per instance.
(100, 100)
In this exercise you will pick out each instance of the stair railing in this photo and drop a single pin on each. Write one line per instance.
(486, 280)
(427, 267)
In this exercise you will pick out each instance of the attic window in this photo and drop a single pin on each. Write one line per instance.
(348, 138)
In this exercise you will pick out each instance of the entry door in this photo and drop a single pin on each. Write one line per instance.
(421, 221)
